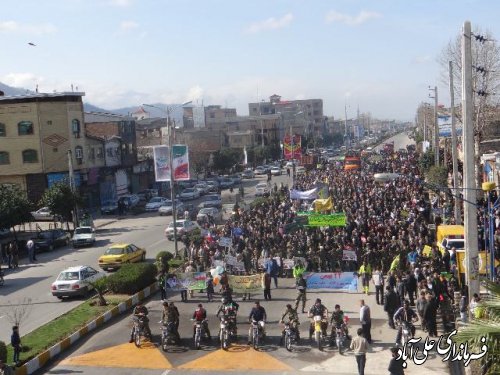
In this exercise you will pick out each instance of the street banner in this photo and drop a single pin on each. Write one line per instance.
(234, 263)
(427, 251)
(484, 261)
(349, 255)
(245, 284)
(347, 281)
(444, 125)
(306, 195)
(180, 162)
(188, 280)
(161, 156)
(292, 147)
(333, 220)
(225, 242)
(322, 205)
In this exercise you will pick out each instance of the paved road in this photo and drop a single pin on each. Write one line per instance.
(32, 281)
(108, 352)
(401, 140)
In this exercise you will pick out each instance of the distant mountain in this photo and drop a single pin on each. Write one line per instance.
(12, 91)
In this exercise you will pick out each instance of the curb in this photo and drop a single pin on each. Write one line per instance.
(45, 357)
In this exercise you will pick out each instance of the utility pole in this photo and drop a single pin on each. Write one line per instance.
(172, 182)
(470, 208)
(454, 153)
(346, 136)
(71, 174)
(261, 127)
(436, 128)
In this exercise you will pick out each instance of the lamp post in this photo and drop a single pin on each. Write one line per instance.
(168, 111)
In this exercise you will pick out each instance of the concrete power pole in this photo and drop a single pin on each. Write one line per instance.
(436, 127)
(454, 151)
(71, 175)
(470, 208)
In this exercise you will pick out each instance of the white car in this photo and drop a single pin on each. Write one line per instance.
(183, 227)
(276, 171)
(43, 214)
(166, 208)
(75, 281)
(189, 193)
(212, 200)
(261, 189)
(212, 212)
(83, 236)
(260, 170)
(202, 188)
(155, 203)
(248, 173)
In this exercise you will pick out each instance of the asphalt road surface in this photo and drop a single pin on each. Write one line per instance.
(401, 140)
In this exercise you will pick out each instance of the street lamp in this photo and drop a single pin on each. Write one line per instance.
(168, 111)
(488, 187)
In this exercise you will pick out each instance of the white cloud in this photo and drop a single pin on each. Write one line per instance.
(16, 27)
(270, 24)
(21, 80)
(360, 18)
(128, 25)
(121, 3)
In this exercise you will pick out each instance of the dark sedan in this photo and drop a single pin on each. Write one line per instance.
(50, 239)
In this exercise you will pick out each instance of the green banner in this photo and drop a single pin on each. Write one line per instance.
(333, 220)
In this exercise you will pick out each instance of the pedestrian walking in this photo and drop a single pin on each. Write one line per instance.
(391, 304)
(162, 278)
(365, 320)
(359, 345)
(30, 247)
(15, 342)
(430, 313)
(378, 281)
(266, 283)
(463, 306)
(15, 254)
(209, 285)
(301, 286)
(365, 272)
(8, 253)
(395, 365)
(421, 303)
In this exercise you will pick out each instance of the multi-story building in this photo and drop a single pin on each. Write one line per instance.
(36, 132)
(206, 116)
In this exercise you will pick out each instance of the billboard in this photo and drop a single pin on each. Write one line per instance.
(199, 117)
(161, 155)
(444, 125)
(292, 147)
(180, 162)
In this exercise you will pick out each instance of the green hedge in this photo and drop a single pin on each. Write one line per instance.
(131, 278)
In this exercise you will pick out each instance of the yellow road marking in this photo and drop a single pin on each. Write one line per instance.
(123, 356)
(238, 357)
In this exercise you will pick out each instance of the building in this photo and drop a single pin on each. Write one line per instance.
(36, 132)
(195, 117)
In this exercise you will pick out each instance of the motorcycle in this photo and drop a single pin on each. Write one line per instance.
(291, 335)
(405, 332)
(257, 333)
(227, 331)
(139, 329)
(168, 335)
(318, 330)
(340, 334)
(199, 333)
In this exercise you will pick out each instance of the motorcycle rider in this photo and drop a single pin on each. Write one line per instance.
(337, 321)
(257, 314)
(229, 310)
(293, 319)
(405, 314)
(170, 314)
(318, 309)
(141, 312)
(200, 316)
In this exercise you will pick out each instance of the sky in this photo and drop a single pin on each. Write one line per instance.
(378, 55)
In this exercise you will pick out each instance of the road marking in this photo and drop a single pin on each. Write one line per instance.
(148, 356)
(238, 357)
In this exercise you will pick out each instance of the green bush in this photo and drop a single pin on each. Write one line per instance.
(131, 278)
(164, 256)
(259, 201)
(3, 352)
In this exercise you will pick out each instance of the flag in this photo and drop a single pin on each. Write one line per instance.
(321, 205)
(245, 161)
(161, 156)
(180, 162)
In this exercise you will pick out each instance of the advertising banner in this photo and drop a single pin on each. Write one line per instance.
(444, 125)
(347, 281)
(306, 195)
(333, 220)
(292, 147)
(161, 155)
(349, 255)
(189, 280)
(180, 162)
(245, 284)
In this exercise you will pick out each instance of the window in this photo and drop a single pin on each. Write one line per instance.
(75, 128)
(91, 153)
(25, 128)
(99, 152)
(3, 132)
(49, 122)
(79, 154)
(30, 156)
(109, 152)
(4, 157)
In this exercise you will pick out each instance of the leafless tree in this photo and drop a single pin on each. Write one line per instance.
(485, 78)
(17, 313)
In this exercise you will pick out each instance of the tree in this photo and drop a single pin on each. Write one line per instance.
(437, 176)
(17, 313)
(61, 200)
(227, 158)
(100, 286)
(15, 208)
(485, 56)
(486, 326)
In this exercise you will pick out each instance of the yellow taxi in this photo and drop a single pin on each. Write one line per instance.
(119, 254)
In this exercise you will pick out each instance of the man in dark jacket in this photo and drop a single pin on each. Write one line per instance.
(411, 287)
(391, 304)
(15, 341)
(430, 312)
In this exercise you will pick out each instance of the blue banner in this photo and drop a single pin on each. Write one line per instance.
(347, 281)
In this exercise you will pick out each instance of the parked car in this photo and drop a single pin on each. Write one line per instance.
(260, 171)
(261, 189)
(236, 179)
(167, 207)
(129, 200)
(189, 193)
(119, 254)
(213, 212)
(43, 214)
(155, 203)
(109, 207)
(182, 226)
(212, 200)
(83, 236)
(187, 183)
(4, 232)
(225, 183)
(213, 186)
(147, 194)
(75, 281)
(202, 188)
(50, 239)
(276, 171)
(248, 173)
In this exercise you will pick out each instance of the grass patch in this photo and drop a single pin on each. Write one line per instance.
(56, 330)
(175, 263)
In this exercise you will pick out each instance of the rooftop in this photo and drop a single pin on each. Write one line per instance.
(37, 95)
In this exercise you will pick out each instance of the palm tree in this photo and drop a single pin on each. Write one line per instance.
(487, 326)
